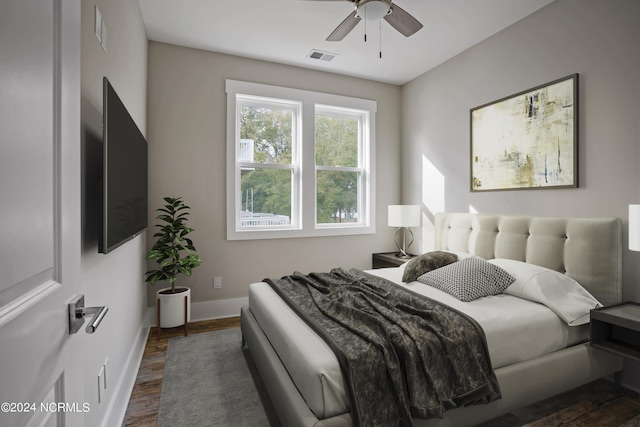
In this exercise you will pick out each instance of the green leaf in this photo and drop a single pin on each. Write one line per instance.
(173, 251)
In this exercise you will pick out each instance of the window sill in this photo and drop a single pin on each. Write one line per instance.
(299, 233)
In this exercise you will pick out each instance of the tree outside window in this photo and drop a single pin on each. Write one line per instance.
(338, 171)
(266, 139)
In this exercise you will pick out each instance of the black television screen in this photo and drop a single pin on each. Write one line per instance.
(124, 210)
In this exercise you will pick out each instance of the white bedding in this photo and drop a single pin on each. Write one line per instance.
(516, 330)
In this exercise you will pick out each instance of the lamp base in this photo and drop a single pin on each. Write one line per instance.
(402, 255)
(403, 248)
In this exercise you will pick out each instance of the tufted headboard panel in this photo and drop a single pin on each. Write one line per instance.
(589, 250)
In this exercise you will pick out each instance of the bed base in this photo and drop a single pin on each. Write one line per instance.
(289, 404)
(521, 383)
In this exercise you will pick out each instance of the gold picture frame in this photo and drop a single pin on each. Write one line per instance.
(528, 140)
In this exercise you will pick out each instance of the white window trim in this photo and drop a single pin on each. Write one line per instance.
(307, 217)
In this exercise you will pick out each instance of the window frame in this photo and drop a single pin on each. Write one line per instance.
(362, 168)
(294, 166)
(304, 154)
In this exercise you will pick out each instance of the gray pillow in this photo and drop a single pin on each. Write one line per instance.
(426, 262)
(469, 279)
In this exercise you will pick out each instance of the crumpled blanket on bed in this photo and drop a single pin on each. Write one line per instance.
(401, 354)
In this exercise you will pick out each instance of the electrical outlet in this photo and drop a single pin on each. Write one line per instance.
(104, 375)
(100, 383)
(217, 282)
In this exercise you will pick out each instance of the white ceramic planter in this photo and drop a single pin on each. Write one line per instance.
(172, 306)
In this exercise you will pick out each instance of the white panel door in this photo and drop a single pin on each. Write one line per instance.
(41, 364)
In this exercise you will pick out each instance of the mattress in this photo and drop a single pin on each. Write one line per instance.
(516, 330)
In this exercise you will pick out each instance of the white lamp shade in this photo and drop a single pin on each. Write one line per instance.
(634, 227)
(404, 216)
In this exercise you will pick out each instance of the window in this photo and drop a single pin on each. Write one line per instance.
(299, 163)
(340, 158)
(267, 150)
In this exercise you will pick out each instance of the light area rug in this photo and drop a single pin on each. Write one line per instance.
(210, 380)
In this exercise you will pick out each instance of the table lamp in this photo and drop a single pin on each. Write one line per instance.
(404, 217)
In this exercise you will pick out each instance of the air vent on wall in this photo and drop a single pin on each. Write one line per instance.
(323, 56)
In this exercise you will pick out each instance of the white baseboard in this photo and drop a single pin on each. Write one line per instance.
(213, 309)
(118, 406)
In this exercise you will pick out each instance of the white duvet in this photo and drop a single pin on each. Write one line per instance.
(516, 330)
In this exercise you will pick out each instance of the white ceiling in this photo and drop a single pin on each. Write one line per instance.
(285, 31)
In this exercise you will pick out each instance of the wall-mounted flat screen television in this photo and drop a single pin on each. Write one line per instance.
(124, 198)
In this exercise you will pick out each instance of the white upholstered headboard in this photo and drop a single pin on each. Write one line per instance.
(589, 250)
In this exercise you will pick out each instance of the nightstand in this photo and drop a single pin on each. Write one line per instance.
(387, 259)
(616, 329)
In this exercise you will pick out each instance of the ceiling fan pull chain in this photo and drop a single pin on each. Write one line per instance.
(380, 26)
(365, 24)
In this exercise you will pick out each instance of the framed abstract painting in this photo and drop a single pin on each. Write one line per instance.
(528, 140)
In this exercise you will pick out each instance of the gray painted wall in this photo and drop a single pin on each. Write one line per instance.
(187, 157)
(115, 279)
(597, 39)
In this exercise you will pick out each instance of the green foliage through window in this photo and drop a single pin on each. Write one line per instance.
(266, 191)
(337, 145)
(336, 141)
(266, 138)
(270, 130)
(337, 197)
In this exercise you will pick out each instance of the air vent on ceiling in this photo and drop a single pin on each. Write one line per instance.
(323, 56)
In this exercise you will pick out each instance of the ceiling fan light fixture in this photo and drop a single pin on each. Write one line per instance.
(373, 10)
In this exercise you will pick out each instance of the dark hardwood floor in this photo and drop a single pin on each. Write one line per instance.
(597, 404)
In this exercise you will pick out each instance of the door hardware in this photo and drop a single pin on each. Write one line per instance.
(77, 313)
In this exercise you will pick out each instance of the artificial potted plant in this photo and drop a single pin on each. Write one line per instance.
(175, 254)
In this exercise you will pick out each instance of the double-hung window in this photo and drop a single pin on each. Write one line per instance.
(299, 163)
(340, 163)
(267, 159)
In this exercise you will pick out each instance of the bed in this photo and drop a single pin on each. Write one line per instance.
(304, 380)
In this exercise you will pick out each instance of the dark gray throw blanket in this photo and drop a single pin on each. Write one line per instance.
(401, 354)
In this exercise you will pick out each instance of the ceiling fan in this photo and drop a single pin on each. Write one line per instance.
(374, 10)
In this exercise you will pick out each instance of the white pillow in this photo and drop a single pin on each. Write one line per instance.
(566, 297)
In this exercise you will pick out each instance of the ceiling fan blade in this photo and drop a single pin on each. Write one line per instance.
(344, 28)
(402, 21)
